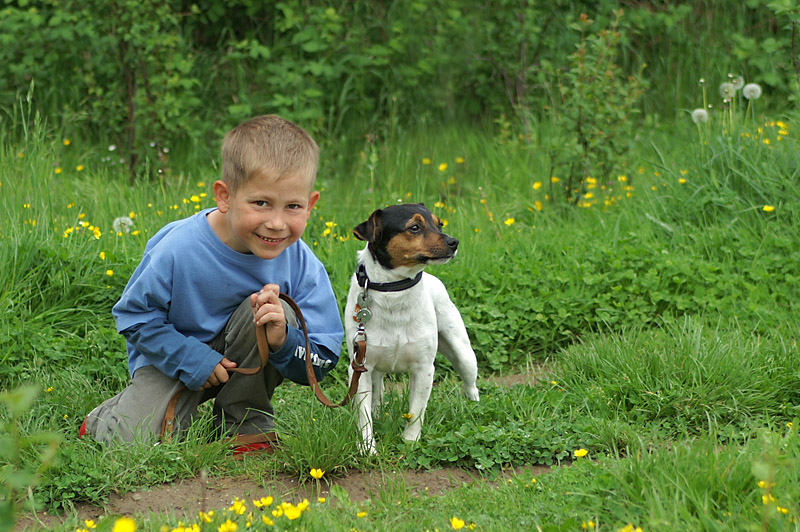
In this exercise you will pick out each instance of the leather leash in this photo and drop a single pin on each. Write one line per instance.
(360, 348)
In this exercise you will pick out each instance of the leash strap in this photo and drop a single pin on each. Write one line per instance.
(168, 423)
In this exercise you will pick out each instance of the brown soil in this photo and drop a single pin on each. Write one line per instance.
(185, 498)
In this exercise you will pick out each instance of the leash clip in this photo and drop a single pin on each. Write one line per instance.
(359, 336)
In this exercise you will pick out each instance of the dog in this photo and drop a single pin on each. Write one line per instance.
(404, 313)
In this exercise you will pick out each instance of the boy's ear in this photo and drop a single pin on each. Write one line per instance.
(312, 200)
(370, 230)
(222, 195)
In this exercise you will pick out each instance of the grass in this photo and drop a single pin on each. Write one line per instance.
(665, 307)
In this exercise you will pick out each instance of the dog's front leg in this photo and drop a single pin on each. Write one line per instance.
(419, 391)
(364, 400)
(377, 391)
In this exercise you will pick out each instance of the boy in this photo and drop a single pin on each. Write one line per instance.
(189, 309)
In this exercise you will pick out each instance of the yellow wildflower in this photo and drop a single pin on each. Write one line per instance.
(110, 273)
(361, 515)
(426, 160)
(292, 512)
(537, 185)
(267, 521)
(79, 168)
(238, 507)
(457, 523)
(317, 473)
(228, 526)
(262, 502)
(67, 142)
(459, 160)
(768, 208)
(59, 170)
(124, 524)
(443, 167)
(580, 453)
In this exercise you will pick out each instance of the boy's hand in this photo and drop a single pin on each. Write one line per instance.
(220, 373)
(268, 310)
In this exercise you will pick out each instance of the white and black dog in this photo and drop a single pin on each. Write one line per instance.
(406, 314)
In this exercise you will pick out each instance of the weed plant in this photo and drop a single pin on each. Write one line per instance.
(664, 307)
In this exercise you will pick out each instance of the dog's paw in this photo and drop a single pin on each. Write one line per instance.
(472, 394)
(368, 449)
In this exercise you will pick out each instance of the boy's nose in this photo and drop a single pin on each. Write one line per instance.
(274, 220)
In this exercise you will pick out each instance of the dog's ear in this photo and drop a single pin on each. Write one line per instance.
(369, 230)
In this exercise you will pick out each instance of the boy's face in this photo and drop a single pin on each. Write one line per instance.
(264, 216)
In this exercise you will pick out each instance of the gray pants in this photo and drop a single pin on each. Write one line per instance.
(242, 405)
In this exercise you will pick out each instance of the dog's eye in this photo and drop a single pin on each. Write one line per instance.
(441, 224)
(416, 228)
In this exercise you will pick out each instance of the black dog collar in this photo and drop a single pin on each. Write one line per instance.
(395, 286)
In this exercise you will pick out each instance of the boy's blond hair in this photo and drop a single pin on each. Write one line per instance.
(268, 144)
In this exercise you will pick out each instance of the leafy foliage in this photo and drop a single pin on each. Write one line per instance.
(154, 77)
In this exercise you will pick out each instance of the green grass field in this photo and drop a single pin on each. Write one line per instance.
(662, 306)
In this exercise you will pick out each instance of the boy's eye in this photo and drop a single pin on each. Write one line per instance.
(260, 203)
(294, 206)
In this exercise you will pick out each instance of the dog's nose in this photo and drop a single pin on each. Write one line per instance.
(451, 242)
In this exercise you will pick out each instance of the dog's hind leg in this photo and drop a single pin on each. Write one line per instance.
(454, 345)
(419, 391)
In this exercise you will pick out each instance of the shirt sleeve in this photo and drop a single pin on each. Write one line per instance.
(177, 356)
(314, 295)
(290, 359)
(142, 316)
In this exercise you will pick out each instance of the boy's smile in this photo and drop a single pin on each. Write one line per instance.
(265, 216)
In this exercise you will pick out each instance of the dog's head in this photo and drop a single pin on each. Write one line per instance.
(406, 235)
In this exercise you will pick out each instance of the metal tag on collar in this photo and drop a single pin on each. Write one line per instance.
(363, 299)
(363, 315)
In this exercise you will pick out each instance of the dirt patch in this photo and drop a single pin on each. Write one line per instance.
(185, 498)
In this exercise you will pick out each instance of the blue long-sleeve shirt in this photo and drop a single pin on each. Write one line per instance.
(189, 283)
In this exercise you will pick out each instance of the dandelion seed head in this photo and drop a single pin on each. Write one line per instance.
(752, 91)
(727, 90)
(699, 116)
(122, 224)
(736, 81)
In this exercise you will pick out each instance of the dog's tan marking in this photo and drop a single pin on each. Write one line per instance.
(408, 248)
